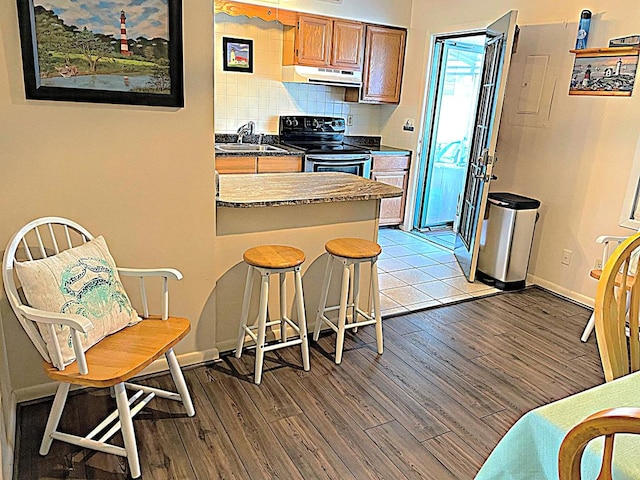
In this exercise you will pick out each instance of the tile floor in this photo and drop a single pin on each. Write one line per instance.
(415, 274)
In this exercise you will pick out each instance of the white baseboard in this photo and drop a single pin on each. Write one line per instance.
(48, 389)
(8, 441)
(564, 292)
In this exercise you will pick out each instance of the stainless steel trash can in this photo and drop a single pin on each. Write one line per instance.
(506, 239)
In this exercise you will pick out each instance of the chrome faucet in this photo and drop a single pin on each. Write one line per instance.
(246, 129)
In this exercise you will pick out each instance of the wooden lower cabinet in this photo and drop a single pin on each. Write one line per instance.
(261, 164)
(236, 164)
(283, 164)
(392, 170)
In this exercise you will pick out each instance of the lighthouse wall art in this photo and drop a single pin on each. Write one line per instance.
(124, 51)
(611, 73)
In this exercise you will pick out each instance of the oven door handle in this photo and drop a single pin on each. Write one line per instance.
(338, 158)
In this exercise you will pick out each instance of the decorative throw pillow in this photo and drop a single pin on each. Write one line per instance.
(82, 280)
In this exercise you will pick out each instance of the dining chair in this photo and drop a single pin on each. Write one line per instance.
(609, 243)
(65, 290)
(616, 312)
(605, 423)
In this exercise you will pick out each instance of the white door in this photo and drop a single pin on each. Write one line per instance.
(498, 48)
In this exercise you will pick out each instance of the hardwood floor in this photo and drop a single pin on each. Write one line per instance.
(451, 382)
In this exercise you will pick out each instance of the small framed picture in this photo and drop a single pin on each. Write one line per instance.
(237, 54)
(90, 51)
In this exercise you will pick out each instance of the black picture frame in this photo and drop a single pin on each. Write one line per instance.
(148, 72)
(230, 49)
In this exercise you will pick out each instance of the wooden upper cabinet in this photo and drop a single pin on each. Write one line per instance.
(383, 64)
(314, 40)
(347, 44)
(324, 42)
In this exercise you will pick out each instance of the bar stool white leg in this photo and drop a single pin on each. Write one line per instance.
(248, 287)
(283, 306)
(375, 291)
(344, 297)
(323, 297)
(128, 434)
(302, 320)
(356, 293)
(588, 328)
(262, 327)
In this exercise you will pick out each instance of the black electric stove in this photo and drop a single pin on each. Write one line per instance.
(316, 135)
(322, 140)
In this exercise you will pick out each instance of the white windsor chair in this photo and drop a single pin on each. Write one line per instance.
(110, 362)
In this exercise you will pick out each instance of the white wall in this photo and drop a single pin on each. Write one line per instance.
(577, 161)
(7, 414)
(262, 97)
(140, 176)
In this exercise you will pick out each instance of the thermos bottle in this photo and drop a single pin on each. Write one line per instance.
(583, 29)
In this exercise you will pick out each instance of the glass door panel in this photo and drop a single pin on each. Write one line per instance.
(456, 76)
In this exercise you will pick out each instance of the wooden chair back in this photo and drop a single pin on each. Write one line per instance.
(605, 423)
(38, 239)
(616, 313)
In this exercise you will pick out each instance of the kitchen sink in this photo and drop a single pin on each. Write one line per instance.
(247, 147)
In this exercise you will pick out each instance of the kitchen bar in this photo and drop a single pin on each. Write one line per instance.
(303, 210)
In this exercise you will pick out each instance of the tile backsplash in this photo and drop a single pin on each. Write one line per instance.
(262, 97)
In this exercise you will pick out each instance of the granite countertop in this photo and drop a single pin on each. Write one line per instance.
(370, 143)
(287, 150)
(255, 139)
(275, 189)
(386, 150)
(373, 144)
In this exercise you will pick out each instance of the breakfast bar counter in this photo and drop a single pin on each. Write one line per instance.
(303, 210)
(277, 189)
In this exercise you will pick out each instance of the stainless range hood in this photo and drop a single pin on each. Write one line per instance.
(321, 76)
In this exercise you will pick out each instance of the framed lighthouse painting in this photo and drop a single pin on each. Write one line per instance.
(237, 55)
(121, 51)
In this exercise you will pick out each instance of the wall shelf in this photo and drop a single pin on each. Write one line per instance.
(268, 14)
(606, 52)
(604, 71)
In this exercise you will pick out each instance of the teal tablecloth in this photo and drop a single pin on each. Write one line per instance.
(529, 450)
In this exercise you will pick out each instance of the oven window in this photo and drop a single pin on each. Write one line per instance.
(356, 169)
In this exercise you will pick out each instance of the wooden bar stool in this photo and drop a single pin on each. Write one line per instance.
(350, 252)
(269, 259)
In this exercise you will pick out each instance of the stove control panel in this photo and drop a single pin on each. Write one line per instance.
(301, 124)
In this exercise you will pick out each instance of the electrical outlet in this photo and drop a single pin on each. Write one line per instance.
(598, 264)
(349, 120)
(566, 257)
